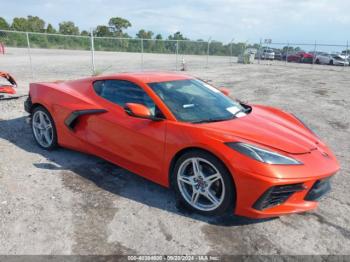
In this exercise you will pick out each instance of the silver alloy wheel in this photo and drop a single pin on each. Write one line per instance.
(201, 184)
(42, 128)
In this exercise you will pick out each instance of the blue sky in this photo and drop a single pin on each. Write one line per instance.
(326, 21)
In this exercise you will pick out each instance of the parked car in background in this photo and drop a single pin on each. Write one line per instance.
(337, 59)
(300, 57)
(278, 55)
(322, 58)
(346, 54)
(266, 53)
(331, 59)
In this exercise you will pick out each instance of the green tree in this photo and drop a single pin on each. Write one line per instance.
(3, 24)
(30, 24)
(159, 37)
(19, 24)
(217, 48)
(84, 33)
(177, 36)
(145, 34)
(68, 28)
(102, 30)
(35, 24)
(118, 24)
(50, 29)
(159, 46)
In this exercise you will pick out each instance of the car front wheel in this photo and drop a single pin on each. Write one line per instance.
(43, 127)
(202, 183)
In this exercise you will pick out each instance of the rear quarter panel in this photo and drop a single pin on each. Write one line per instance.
(61, 100)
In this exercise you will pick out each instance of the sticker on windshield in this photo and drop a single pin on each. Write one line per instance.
(240, 114)
(188, 105)
(233, 109)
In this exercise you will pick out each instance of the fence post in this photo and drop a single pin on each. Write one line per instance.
(231, 52)
(30, 56)
(314, 56)
(259, 51)
(347, 52)
(208, 50)
(93, 69)
(177, 53)
(141, 42)
(287, 53)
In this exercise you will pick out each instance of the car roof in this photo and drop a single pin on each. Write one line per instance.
(149, 77)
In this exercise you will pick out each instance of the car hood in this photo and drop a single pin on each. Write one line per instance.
(269, 127)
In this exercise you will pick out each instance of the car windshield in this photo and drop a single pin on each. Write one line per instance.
(195, 101)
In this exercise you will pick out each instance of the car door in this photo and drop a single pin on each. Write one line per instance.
(324, 59)
(133, 143)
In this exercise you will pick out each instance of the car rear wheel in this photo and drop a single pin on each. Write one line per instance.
(331, 62)
(317, 61)
(43, 127)
(203, 184)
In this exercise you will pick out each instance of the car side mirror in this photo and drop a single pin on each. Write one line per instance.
(225, 91)
(140, 111)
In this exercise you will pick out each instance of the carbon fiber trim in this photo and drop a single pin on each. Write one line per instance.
(72, 119)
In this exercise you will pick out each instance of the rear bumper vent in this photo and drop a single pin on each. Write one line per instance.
(277, 195)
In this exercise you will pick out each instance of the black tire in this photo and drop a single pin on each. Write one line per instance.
(54, 144)
(331, 62)
(228, 203)
(317, 61)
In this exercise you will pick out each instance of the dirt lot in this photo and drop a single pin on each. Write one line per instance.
(64, 202)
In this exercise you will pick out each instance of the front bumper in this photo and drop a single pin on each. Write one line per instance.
(341, 63)
(258, 197)
(253, 179)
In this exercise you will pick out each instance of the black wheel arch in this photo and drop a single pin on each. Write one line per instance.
(33, 106)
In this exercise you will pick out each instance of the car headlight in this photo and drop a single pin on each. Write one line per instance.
(263, 155)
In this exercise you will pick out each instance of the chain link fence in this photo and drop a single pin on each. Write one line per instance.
(42, 56)
(305, 55)
(48, 56)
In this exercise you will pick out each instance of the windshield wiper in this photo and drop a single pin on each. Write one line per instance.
(210, 120)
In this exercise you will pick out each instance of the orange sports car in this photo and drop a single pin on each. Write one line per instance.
(218, 154)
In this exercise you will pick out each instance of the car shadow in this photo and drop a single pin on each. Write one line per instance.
(106, 176)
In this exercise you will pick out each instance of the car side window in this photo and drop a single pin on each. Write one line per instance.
(121, 92)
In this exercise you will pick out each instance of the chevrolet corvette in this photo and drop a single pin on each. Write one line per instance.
(219, 155)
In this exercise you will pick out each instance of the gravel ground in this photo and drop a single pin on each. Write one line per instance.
(64, 202)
